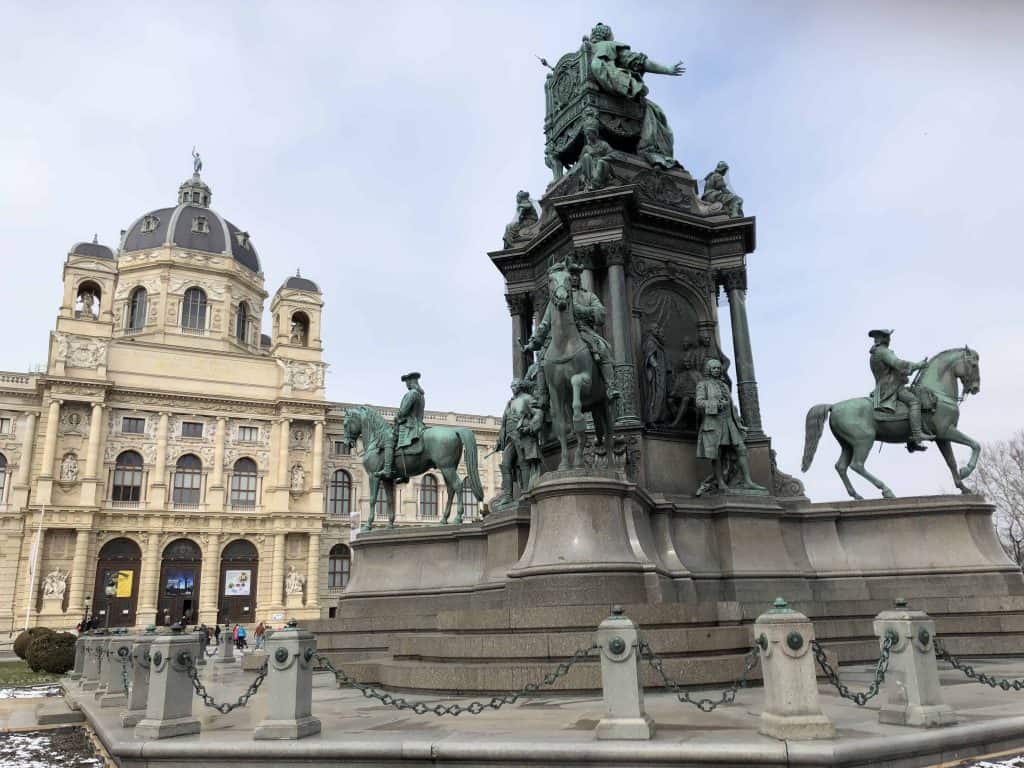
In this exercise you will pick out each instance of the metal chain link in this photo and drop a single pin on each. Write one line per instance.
(727, 696)
(125, 663)
(208, 700)
(473, 708)
(861, 697)
(1003, 683)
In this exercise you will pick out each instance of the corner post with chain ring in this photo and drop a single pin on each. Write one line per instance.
(913, 693)
(791, 707)
(139, 693)
(114, 674)
(169, 705)
(290, 685)
(625, 716)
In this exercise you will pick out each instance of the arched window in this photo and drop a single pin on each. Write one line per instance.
(339, 494)
(428, 498)
(470, 507)
(339, 566)
(137, 310)
(242, 322)
(188, 480)
(127, 477)
(3, 475)
(243, 484)
(299, 333)
(193, 310)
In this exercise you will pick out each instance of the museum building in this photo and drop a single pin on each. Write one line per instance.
(176, 461)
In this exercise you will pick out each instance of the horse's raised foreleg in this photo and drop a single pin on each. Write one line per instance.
(374, 488)
(841, 467)
(579, 381)
(954, 435)
(860, 455)
(454, 487)
(947, 453)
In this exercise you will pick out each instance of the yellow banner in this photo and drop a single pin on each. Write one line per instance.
(124, 583)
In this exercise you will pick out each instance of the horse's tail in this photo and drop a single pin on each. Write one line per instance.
(812, 434)
(472, 465)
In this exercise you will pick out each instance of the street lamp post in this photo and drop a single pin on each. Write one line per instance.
(87, 603)
(110, 589)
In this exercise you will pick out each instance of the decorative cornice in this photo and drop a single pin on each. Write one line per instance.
(518, 303)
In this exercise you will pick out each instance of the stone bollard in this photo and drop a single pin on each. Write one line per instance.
(289, 686)
(90, 678)
(226, 652)
(140, 681)
(169, 704)
(625, 717)
(119, 649)
(76, 671)
(913, 693)
(791, 708)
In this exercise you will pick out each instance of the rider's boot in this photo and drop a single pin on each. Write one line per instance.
(506, 484)
(917, 433)
(608, 372)
(389, 460)
(542, 389)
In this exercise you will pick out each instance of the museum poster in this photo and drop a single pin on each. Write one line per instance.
(236, 583)
(124, 583)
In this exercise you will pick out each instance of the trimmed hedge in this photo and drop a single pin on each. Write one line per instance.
(22, 641)
(53, 653)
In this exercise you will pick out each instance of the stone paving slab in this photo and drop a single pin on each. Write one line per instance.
(558, 730)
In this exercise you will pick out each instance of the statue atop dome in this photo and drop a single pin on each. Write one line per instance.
(197, 161)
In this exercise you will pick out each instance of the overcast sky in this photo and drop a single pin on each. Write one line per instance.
(378, 147)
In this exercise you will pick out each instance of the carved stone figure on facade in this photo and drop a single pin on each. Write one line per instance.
(588, 312)
(518, 439)
(593, 165)
(721, 430)
(69, 468)
(298, 479)
(407, 432)
(620, 70)
(55, 584)
(716, 190)
(891, 377)
(655, 375)
(297, 334)
(525, 223)
(294, 582)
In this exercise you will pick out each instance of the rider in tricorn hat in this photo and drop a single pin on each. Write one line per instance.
(408, 426)
(891, 377)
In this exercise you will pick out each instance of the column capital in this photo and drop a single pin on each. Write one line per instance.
(733, 279)
(616, 253)
(222, 419)
(518, 303)
(584, 254)
(97, 404)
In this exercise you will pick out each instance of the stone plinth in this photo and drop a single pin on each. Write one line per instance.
(625, 716)
(115, 670)
(169, 706)
(139, 693)
(293, 601)
(289, 686)
(586, 545)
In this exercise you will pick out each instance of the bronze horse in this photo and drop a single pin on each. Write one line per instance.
(856, 425)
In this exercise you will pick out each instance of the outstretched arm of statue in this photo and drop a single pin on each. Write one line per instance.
(654, 67)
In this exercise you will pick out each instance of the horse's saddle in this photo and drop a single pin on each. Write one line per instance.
(902, 410)
(410, 439)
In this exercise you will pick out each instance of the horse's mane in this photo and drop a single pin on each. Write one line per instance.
(941, 356)
(375, 427)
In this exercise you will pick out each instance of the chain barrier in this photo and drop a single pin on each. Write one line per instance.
(186, 660)
(1004, 684)
(861, 697)
(727, 696)
(473, 708)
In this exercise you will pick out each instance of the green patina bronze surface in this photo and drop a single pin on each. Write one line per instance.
(716, 190)
(519, 442)
(721, 435)
(899, 412)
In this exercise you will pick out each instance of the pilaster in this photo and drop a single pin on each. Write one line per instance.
(44, 488)
(157, 495)
(313, 572)
(79, 571)
(91, 483)
(277, 573)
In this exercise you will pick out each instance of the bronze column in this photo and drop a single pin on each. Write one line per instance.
(735, 283)
(616, 255)
(522, 321)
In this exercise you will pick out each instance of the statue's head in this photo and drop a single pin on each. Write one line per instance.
(704, 337)
(519, 385)
(591, 128)
(656, 331)
(881, 335)
(722, 167)
(713, 368)
(522, 196)
(600, 33)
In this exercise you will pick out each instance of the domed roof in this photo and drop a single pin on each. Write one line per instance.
(299, 283)
(93, 250)
(192, 225)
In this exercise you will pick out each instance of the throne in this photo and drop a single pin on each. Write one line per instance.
(571, 94)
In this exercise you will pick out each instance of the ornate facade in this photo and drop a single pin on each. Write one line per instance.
(174, 460)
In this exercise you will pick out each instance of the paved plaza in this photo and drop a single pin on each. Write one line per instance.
(558, 730)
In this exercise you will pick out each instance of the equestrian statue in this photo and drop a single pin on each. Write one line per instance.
(393, 453)
(899, 412)
(575, 374)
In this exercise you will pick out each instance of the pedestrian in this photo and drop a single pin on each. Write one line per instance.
(241, 637)
(216, 634)
(260, 634)
(234, 636)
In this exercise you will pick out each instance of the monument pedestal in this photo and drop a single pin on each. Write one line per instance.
(293, 602)
(586, 545)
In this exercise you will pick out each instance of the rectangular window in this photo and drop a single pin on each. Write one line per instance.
(191, 429)
(340, 448)
(5, 426)
(248, 434)
(133, 425)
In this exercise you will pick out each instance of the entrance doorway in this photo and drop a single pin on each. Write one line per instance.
(119, 562)
(239, 574)
(179, 583)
